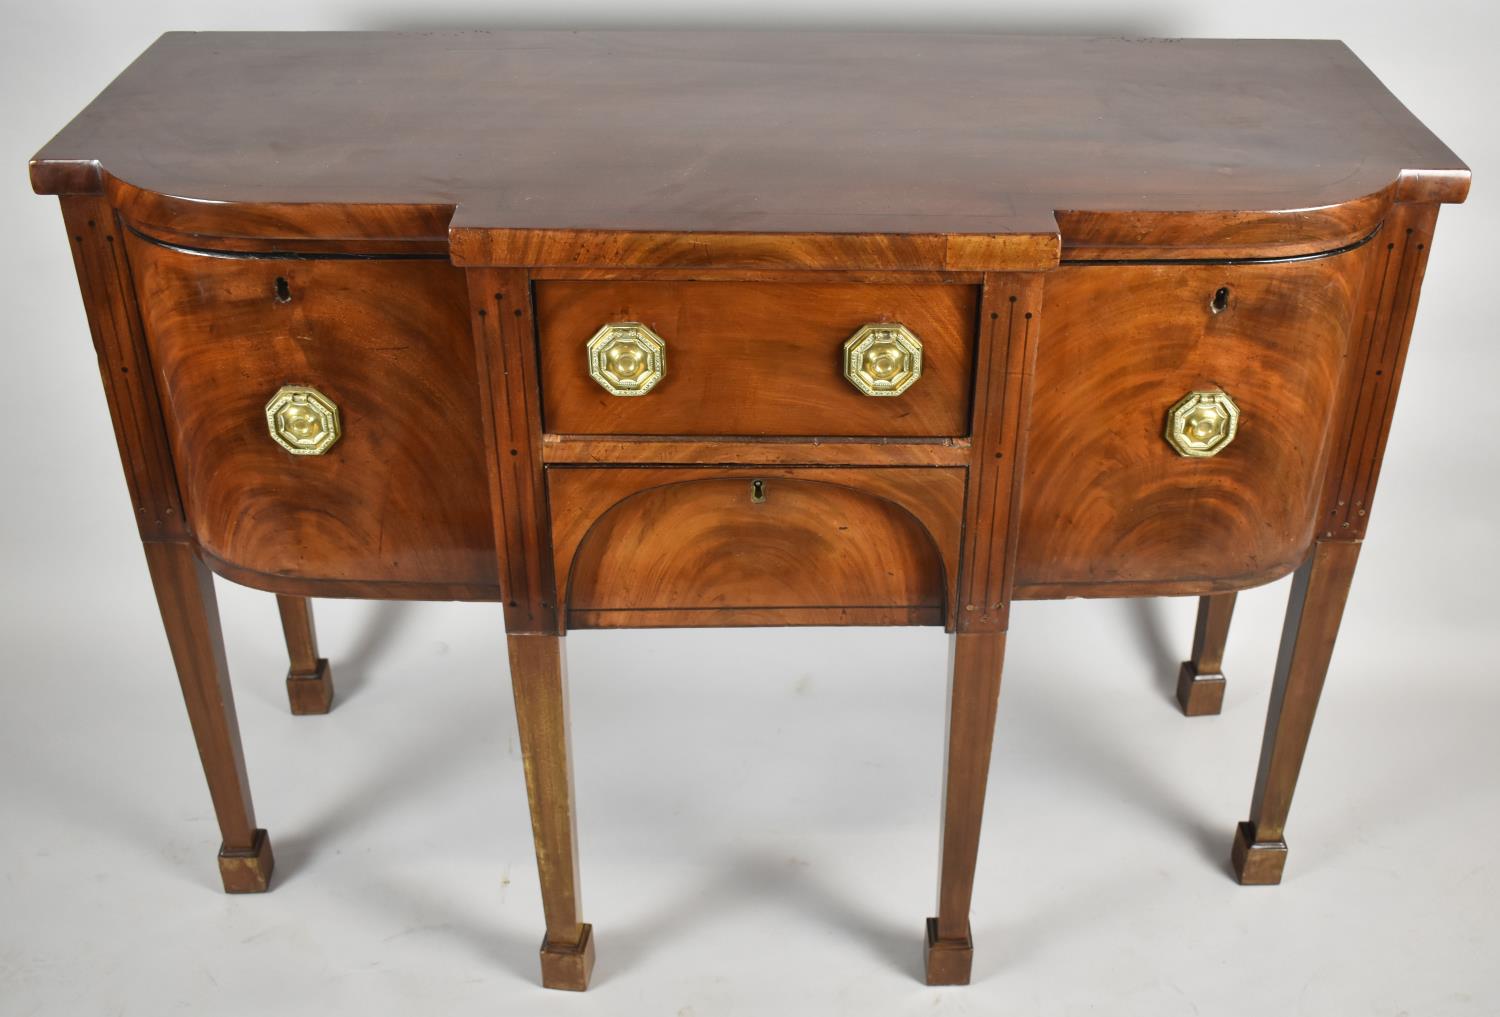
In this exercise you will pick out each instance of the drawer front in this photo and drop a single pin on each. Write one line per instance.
(754, 358)
(778, 546)
(1107, 500)
(402, 496)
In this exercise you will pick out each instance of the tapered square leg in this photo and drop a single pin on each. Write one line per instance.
(1200, 680)
(947, 961)
(1316, 606)
(247, 870)
(537, 674)
(190, 614)
(309, 679)
(569, 966)
(973, 697)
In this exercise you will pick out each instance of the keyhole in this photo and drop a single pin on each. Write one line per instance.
(757, 492)
(1220, 301)
(283, 291)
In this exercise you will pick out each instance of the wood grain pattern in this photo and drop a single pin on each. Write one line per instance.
(1030, 246)
(190, 615)
(1314, 610)
(510, 401)
(1223, 235)
(1006, 364)
(401, 496)
(428, 228)
(752, 617)
(1377, 358)
(584, 450)
(309, 678)
(638, 273)
(124, 366)
(538, 675)
(359, 589)
(974, 664)
(755, 358)
(764, 149)
(1200, 679)
(322, 227)
(1107, 500)
(581, 498)
(707, 545)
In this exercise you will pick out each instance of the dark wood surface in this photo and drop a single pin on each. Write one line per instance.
(1005, 369)
(428, 228)
(974, 663)
(402, 496)
(1107, 500)
(190, 616)
(1200, 679)
(886, 150)
(538, 676)
(654, 547)
(1378, 347)
(1314, 610)
(109, 300)
(756, 358)
(510, 401)
(309, 677)
(684, 546)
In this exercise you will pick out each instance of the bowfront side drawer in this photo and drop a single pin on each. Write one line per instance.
(756, 358)
(323, 415)
(1181, 420)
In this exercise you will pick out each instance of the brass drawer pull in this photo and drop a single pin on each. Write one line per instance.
(627, 358)
(303, 420)
(1202, 424)
(883, 359)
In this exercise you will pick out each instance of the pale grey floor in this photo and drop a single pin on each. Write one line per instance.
(758, 816)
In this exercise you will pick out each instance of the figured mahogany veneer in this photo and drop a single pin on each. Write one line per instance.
(402, 497)
(1106, 499)
(654, 547)
(756, 358)
(427, 229)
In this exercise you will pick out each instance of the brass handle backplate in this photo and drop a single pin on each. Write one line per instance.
(303, 420)
(627, 358)
(1202, 424)
(883, 359)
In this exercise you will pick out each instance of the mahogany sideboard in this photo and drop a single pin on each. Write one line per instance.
(671, 329)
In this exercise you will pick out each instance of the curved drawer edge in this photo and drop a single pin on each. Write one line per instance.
(358, 589)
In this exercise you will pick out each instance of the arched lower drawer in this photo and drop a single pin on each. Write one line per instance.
(784, 546)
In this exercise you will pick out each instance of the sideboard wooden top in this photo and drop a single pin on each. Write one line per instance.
(955, 151)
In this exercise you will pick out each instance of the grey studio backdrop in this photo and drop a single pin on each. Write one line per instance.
(757, 809)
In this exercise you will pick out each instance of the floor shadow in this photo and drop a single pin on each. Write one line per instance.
(751, 878)
(351, 668)
(1162, 654)
(1092, 747)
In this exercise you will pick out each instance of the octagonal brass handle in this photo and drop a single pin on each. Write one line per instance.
(1202, 424)
(883, 359)
(627, 358)
(303, 420)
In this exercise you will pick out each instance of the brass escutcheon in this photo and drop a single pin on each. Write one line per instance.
(627, 358)
(883, 359)
(303, 420)
(1202, 424)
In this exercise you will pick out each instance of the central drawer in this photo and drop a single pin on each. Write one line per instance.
(756, 358)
